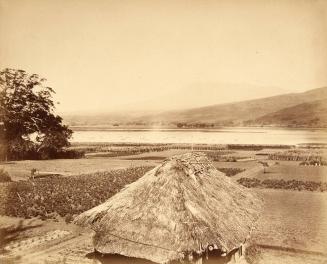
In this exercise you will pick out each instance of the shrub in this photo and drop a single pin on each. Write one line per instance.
(285, 185)
(223, 155)
(245, 147)
(230, 171)
(314, 158)
(249, 182)
(68, 154)
(313, 162)
(4, 176)
(69, 218)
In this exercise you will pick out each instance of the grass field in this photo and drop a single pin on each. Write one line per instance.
(279, 256)
(289, 170)
(21, 170)
(293, 224)
(293, 220)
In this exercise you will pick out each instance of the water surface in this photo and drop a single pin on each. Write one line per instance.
(219, 136)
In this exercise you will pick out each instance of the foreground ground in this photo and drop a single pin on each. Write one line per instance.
(292, 227)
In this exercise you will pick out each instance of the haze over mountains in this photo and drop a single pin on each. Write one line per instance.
(307, 109)
(199, 94)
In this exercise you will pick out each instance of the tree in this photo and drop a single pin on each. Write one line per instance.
(30, 127)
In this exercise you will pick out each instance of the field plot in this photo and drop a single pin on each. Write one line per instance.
(64, 196)
(292, 224)
(305, 156)
(289, 170)
(288, 175)
(158, 155)
(239, 164)
(21, 170)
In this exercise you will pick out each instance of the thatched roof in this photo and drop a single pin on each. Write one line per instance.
(181, 206)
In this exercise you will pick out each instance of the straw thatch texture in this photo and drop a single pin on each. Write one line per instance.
(181, 206)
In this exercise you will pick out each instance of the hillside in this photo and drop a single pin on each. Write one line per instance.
(275, 110)
(312, 114)
(239, 112)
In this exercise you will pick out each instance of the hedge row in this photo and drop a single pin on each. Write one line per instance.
(282, 184)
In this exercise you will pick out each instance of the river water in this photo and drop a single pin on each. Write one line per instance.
(218, 136)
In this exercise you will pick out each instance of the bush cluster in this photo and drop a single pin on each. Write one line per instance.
(69, 154)
(306, 157)
(66, 196)
(115, 150)
(122, 151)
(4, 176)
(223, 156)
(313, 162)
(34, 154)
(282, 184)
(256, 147)
(230, 171)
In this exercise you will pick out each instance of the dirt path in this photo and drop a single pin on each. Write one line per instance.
(65, 248)
(71, 249)
(46, 242)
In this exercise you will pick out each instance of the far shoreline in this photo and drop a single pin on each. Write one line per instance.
(172, 129)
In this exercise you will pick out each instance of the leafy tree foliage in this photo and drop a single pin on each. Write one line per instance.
(30, 127)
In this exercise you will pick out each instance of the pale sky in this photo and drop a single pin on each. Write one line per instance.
(102, 55)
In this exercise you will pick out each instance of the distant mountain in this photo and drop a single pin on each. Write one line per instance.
(239, 113)
(203, 94)
(293, 109)
(312, 114)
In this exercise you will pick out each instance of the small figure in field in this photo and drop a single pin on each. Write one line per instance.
(265, 165)
(33, 171)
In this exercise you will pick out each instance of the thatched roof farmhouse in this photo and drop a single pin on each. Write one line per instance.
(181, 209)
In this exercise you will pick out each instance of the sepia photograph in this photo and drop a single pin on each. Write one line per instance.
(163, 131)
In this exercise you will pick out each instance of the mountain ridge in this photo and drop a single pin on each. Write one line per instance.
(238, 112)
(242, 113)
(310, 114)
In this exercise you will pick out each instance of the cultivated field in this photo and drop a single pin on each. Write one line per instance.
(292, 171)
(292, 227)
(21, 170)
